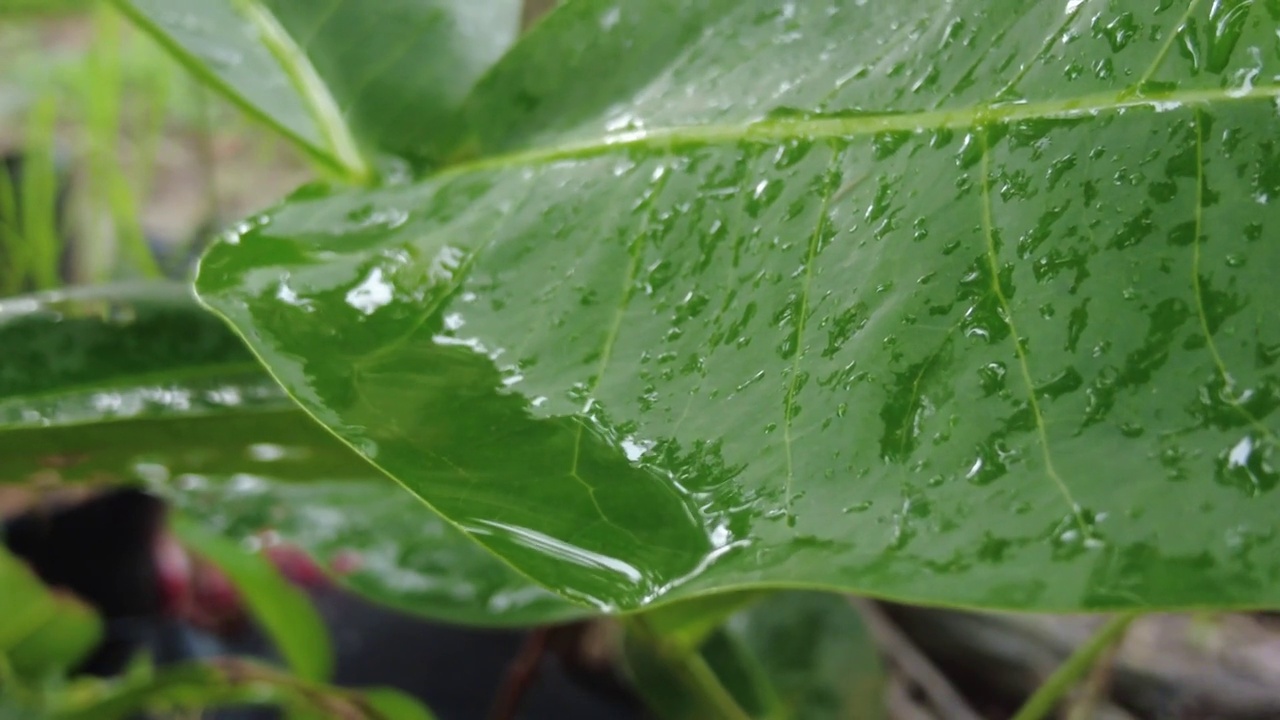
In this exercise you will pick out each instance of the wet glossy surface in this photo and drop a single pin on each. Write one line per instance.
(244, 460)
(389, 75)
(1015, 344)
(124, 352)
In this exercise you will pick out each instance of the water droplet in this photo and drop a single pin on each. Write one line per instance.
(1226, 22)
(372, 293)
(1247, 466)
(1189, 44)
(370, 216)
(1132, 429)
(1120, 31)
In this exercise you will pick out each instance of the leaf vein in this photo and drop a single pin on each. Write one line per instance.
(801, 316)
(1219, 364)
(1163, 52)
(988, 231)
(774, 130)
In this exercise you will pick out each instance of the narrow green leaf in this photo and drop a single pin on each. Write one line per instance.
(391, 704)
(964, 304)
(137, 384)
(343, 76)
(284, 612)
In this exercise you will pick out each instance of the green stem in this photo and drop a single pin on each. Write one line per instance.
(1073, 669)
(688, 664)
(324, 108)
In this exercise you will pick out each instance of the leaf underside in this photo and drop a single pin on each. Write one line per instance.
(965, 303)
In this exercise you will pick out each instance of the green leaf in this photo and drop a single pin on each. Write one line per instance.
(814, 655)
(41, 631)
(394, 705)
(21, 8)
(342, 76)
(794, 655)
(281, 609)
(138, 384)
(966, 304)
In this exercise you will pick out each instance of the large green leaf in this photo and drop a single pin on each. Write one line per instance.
(339, 74)
(138, 384)
(966, 303)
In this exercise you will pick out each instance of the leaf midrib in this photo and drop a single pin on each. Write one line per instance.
(774, 130)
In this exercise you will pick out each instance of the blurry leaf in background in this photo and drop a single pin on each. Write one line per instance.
(42, 631)
(149, 160)
(137, 384)
(41, 7)
(349, 78)
(227, 683)
(814, 653)
(793, 655)
(392, 704)
(284, 612)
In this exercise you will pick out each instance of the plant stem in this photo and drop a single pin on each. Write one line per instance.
(688, 664)
(326, 113)
(521, 673)
(1073, 669)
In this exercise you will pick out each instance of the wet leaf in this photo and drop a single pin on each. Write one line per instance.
(967, 304)
(137, 384)
(338, 78)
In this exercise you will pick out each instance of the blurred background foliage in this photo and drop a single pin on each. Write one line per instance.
(120, 165)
